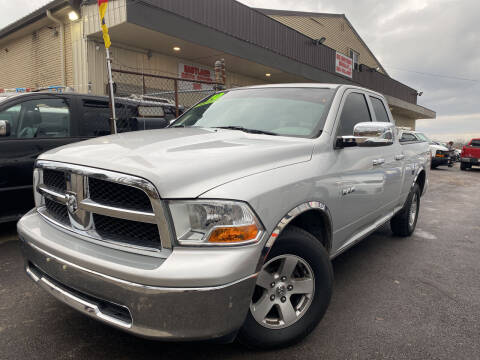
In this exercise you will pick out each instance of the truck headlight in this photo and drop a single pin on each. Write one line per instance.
(214, 222)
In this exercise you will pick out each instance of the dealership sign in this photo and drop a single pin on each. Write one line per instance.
(343, 65)
(195, 72)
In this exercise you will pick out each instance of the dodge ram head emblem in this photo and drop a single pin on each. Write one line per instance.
(72, 204)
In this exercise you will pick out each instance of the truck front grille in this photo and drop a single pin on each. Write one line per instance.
(55, 180)
(112, 207)
(131, 232)
(113, 194)
(57, 211)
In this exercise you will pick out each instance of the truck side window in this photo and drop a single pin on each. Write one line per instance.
(408, 137)
(41, 118)
(96, 115)
(379, 110)
(355, 110)
(12, 115)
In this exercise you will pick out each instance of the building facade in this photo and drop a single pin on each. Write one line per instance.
(53, 47)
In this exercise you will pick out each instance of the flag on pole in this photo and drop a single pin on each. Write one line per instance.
(102, 8)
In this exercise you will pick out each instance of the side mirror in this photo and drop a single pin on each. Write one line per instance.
(4, 128)
(369, 134)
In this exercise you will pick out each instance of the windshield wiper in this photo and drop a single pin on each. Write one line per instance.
(251, 131)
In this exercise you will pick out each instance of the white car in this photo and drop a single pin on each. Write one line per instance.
(440, 154)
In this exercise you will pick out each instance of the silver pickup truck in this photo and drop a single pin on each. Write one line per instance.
(224, 225)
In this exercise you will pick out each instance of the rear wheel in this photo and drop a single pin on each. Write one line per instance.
(292, 293)
(404, 223)
(464, 166)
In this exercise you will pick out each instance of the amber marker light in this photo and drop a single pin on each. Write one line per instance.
(229, 235)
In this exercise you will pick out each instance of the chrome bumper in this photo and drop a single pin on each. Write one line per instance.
(148, 311)
(154, 311)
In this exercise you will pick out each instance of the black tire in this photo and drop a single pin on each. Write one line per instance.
(463, 166)
(433, 166)
(400, 223)
(294, 241)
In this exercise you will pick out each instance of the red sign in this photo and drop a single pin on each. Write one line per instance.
(193, 72)
(343, 65)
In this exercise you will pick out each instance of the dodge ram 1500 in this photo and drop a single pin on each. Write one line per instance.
(223, 225)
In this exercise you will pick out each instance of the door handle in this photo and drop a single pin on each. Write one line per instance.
(399, 157)
(378, 162)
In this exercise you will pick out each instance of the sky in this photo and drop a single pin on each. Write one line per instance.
(430, 45)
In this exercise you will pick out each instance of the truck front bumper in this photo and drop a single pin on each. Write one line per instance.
(169, 313)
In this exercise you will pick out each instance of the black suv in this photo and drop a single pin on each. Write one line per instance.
(33, 123)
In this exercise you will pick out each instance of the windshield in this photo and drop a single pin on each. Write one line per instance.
(475, 143)
(277, 111)
(423, 137)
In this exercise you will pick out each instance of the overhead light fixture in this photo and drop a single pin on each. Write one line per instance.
(73, 16)
(176, 48)
(268, 74)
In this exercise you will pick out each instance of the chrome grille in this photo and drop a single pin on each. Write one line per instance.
(55, 180)
(113, 194)
(120, 210)
(132, 232)
(58, 211)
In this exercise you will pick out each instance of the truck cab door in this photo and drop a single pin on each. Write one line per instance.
(37, 124)
(369, 176)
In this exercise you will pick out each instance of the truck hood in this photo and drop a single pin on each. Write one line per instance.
(186, 162)
(438, 147)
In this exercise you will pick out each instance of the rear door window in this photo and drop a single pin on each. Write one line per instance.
(379, 109)
(355, 110)
(475, 143)
(96, 118)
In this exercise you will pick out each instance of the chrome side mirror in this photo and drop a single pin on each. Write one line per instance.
(369, 134)
(4, 128)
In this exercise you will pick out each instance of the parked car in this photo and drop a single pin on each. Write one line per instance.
(439, 153)
(36, 122)
(224, 224)
(470, 155)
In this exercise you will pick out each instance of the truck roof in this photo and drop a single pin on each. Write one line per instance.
(308, 85)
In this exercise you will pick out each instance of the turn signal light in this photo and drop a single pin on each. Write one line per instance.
(228, 235)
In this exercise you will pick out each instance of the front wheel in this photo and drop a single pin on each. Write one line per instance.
(292, 292)
(404, 222)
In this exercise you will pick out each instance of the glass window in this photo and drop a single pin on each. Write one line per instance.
(408, 137)
(283, 111)
(41, 118)
(354, 55)
(475, 143)
(11, 115)
(355, 110)
(96, 118)
(423, 137)
(379, 109)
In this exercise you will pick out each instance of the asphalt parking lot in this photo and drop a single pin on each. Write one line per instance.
(415, 298)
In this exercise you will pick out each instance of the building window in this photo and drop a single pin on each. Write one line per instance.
(354, 55)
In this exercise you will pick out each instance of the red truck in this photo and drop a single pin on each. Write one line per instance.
(470, 155)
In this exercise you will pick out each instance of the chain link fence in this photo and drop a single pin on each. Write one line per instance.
(181, 93)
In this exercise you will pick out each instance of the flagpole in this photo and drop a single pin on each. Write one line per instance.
(113, 119)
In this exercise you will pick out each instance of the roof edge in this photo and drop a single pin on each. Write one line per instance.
(32, 17)
(308, 13)
(294, 13)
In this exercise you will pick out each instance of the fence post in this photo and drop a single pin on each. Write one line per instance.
(175, 84)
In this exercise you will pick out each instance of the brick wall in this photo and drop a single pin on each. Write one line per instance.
(33, 60)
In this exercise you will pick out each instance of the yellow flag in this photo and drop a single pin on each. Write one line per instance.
(102, 8)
